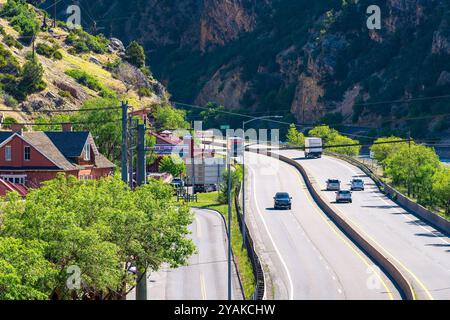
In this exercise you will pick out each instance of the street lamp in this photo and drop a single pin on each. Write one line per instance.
(243, 170)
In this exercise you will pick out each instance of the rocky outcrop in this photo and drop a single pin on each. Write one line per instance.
(223, 21)
(227, 88)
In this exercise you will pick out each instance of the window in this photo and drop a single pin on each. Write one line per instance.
(8, 153)
(27, 153)
(15, 179)
(87, 152)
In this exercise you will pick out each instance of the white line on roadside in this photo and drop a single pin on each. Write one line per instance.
(291, 293)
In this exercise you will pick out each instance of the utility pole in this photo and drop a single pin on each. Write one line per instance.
(54, 13)
(193, 158)
(141, 287)
(124, 163)
(409, 163)
(34, 47)
(229, 218)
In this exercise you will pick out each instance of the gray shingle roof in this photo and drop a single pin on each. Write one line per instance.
(62, 147)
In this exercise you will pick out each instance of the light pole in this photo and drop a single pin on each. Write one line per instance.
(243, 171)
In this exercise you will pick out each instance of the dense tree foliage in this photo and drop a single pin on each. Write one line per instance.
(295, 138)
(172, 164)
(331, 137)
(135, 54)
(101, 227)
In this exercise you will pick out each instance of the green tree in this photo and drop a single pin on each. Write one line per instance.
(325, 132)
(25, 274)
(104, 125)
(348, 148)
(236, 178)
(167, 117)
(172, 164)
(31, 79)
(441, 187)
(8, 122)
(135, 54)
(383, 150)
(416, 164)
(295, 138)
(103, 227)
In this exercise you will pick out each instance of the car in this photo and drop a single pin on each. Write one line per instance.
(357, 185)
(282, 200)
(333, 185)
(177, 183)
(205, 188)
(344, 196)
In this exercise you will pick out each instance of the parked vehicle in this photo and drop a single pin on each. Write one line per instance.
(282, 200)
(344, 196)
(177, 183)
(313, 148)
(200, 188)
(357, 185)
(333, 185)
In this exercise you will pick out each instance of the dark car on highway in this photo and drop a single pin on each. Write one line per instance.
(282, 201)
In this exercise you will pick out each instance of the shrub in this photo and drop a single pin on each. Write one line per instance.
(135, 54)
(57, 55)
(9, 101)
(85, 79)
(10, 41)
(8, 122)
(22, 18)
(81, 41)
(31, 79)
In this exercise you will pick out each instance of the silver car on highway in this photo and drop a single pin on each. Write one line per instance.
(344, 196)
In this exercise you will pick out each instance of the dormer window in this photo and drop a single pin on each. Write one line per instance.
(87, 152)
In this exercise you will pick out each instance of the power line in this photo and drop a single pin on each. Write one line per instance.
(63, 110)
(61, 123)
(403, 100)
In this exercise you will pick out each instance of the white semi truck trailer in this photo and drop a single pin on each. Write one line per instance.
(313, 148)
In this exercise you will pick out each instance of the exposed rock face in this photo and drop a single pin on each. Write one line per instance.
(226, 87)
(224, 20)
(314, 59)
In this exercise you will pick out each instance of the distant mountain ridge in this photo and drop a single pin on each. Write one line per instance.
(314, 58)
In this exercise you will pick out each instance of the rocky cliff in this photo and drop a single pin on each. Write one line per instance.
(317, 59)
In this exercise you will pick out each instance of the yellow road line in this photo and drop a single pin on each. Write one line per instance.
(341, 237)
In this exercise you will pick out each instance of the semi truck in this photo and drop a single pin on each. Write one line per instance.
(313, 148)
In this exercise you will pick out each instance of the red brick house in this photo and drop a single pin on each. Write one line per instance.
(30, 158)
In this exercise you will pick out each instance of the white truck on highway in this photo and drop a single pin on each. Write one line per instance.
(313, 148)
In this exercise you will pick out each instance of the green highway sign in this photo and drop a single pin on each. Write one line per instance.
(224, 127)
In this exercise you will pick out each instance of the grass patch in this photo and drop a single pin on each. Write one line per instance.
(209, 201)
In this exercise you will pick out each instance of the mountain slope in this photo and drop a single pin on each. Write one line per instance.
(314, 58)
(63, 91)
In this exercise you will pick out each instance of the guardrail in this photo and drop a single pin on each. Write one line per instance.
(370, 249)
(429, 216)
(258, 272)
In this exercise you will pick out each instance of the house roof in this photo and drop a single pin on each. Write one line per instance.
(61, 141)
(167, 138)
(4, 135)
(6, 187)
(61, 147)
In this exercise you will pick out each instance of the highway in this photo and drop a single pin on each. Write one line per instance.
(205, 278)
(421, 251)
(306, 255)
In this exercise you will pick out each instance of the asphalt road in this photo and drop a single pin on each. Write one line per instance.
(422, 251)
(306, 255)
(205, 278)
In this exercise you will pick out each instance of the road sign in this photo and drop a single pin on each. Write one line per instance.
(225, 127)
(235, 147)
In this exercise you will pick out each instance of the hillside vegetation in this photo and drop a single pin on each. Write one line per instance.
(68, 67)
